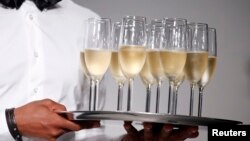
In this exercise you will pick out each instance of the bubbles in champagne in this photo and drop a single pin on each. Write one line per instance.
(132, 59)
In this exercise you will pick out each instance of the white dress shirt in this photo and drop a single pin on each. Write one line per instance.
(39, 56)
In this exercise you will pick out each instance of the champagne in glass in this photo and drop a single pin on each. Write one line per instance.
(210, 69)
(84, 68)
(153, 55)
(148, 80)
(116, 69)
(173, 54)
(197, 56)
(97, 53)
(83, 64)
(115, 65)
(97, 62)
(177, 82)
(87, 74)
(209, 72)
(132, 52)
(196, 64)
(157, 71)
(173, 64)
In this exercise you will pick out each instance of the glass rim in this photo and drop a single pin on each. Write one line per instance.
(156, 20)
(136, 18)
(212, 29)
(174, 22)
(213, 51)
(156, 23)
(117, 22)
(99, 19)
(174, 19)
(197, 24)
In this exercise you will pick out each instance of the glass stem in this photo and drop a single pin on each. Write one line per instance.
(191, 106)
(170, 98)
(148, 98)
(130, 94)
(175, 95)
(200, 101)
(120, 95)
(158, 91)
(96, 95)
(91, 94)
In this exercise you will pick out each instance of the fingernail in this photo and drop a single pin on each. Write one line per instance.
(148, 126)
(168, 128)
(194, 130)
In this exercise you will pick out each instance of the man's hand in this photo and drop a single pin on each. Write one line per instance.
(39, 119)
(159, 132)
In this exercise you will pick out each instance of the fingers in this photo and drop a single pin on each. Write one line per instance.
(129, 128)
(148, 131)
(165, 132)
(58, 107)
(66, 124)
(194, 135)
(88, 124)
(53, 106)
(184, 133)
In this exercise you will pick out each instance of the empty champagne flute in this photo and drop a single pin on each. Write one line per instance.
(153, 55)
(132, 50)
(115, 66)
(197, 56)
(97, 52)
(210, 69)
(173, 53)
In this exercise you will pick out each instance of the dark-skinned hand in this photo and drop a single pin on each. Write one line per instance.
(40, 119)
(159, 132)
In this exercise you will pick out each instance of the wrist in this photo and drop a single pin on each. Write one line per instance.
(11, 122)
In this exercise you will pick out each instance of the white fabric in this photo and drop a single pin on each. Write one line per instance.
(39, 58)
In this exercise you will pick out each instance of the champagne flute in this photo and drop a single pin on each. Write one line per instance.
(97, 52)
(115, 66)
(87, 74)
(209, 72)
(85, 70)
(148, 80)
(173, 53)
(197, 56)
(153, 55)
(177, 82)
(132, 52)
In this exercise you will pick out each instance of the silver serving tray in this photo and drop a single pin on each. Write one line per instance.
(146, 117)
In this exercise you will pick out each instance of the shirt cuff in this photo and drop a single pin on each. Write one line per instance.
(4, 130)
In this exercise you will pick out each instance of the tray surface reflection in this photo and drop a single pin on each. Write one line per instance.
(146, 117)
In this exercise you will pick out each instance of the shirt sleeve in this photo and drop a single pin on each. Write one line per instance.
(4, 131)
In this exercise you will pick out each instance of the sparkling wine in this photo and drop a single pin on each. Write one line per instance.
(209, 72)
(173, 62)
(132, 59)
(145, 74)
(83, 65)
(179, 79)
(97, 62)
(116, 69)
(155, 65)
(195, 65)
